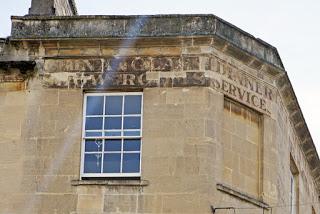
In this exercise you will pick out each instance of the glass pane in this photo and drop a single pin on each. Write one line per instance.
(93, 123)
(110, 133)
(93, 134)
(132, 104)
(92, 163)
(114, 105)
(112, 145)
(131, 163)
(131, 123)
(111, 163)
(93, 146)
(94, 105)
(132, 145)
(112, 123)
(131, 133)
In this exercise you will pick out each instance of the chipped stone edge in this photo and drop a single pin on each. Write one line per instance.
(219, 27)
(110, 182)
(241, 195)
(73, 7)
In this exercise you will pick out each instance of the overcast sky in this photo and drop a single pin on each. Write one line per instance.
(291, 26)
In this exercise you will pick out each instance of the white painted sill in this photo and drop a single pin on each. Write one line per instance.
(110, 182)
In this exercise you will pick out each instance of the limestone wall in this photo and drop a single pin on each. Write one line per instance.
(39, 139)
(189, 139)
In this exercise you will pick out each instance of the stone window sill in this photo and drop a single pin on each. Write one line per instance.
(110, 182)
(242, 195)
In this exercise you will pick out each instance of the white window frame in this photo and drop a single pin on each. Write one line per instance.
(122, 137)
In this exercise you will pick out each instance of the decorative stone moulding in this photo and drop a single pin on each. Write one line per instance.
(13, 74)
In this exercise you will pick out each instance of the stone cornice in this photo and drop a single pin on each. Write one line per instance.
(54, 27)
(299, 124)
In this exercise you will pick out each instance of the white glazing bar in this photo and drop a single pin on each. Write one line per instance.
(122, 133)
(103, 141)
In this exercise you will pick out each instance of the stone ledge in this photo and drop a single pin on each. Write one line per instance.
(143, 26)
(241, 195)
(110, 182)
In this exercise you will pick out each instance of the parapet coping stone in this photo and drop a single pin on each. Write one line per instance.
(136, 26)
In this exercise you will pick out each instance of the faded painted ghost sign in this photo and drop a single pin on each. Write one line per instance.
(240, 85)
(142, 72)
(73, 65)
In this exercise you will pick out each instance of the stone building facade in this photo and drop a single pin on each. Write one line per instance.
(148, 114)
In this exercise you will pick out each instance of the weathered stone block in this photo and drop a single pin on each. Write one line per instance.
(69, 52)
(156, 166)
(90, 204)
(109, 51)
(51, 52)
(155, 146)
(54, 184)
(149, 203)
(10, 152)
(187, 166)
(165, 111)
(249, 168)
(43, 97)
(10, 182)
(159, 128)
(2, 98)
(191, 128)
(70, 98)
(10, 127)
(90, 51)
(186, 203)
(211, 129)
(12, 112)
(71, 129)
(65, 203)
(191, 63)
(16, 99)
(120, 203)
